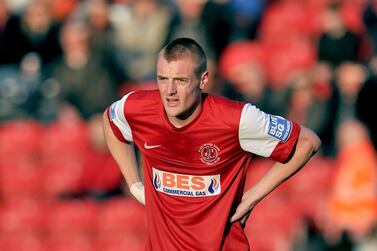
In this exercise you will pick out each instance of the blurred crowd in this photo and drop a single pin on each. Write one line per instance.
(62, 62)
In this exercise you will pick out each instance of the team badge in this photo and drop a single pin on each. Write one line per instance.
(209, 153)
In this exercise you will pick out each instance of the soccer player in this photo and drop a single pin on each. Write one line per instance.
(196, 150)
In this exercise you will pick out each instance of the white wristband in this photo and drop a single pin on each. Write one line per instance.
(137, 190)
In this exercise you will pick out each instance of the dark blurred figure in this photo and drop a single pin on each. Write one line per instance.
(4, 18)
(365, 102)
(241, 65)
(208, 22)
(141, 31)
(247, 16)
(33, 31)
(86, 82)
(350, 78)
(61, 9)
(337, 44)
(102, 35)
(370, 21)
(310, 106)
(101, 30)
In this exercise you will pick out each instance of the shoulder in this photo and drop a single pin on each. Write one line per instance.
(143, 94)
(142, 98)
(224, 104)
(138, 102)
(224, 109)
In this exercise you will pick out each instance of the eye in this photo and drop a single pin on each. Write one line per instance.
(182, 81)
(161, 79)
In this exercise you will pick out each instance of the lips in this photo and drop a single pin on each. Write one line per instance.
(172, 102)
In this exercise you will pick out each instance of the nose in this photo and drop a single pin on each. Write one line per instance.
(171, 90)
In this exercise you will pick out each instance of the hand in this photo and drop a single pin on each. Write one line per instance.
(244, 209)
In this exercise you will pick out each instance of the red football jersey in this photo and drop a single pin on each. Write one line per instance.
(194, 175)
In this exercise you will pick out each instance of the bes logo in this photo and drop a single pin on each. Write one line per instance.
(156, 181)
(209, 153)
(214, 186)
(186, 185)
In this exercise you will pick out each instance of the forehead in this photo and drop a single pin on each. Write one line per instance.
(182, 66)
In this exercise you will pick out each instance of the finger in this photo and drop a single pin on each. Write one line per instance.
(244, 219)
(240, 211)
(234, 218)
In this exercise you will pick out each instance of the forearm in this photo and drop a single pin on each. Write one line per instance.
(280, 172)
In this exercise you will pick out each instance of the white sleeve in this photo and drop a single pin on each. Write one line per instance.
(260, 133)
(116, 115)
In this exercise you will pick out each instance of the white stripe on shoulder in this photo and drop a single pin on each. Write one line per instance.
(119, 119)
(253, 131)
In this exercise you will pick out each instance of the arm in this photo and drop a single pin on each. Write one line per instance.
(307, 145)
(125, 157)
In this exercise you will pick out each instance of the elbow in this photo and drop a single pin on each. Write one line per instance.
(311, 140)
(316, 143)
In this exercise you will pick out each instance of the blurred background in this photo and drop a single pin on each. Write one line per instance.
(62, 62)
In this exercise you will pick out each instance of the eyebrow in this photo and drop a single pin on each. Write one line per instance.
(181, 78)
(159, 76)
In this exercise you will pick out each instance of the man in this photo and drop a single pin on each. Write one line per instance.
(196, 150)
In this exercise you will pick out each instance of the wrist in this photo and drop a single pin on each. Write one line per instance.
(137, 190)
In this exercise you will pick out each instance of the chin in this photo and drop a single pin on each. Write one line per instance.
(172, 111)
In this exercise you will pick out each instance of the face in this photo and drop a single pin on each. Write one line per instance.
(180, 88)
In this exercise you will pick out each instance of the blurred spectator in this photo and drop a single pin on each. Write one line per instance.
(241, 65)
(349, 79)
(247, 15)
(218, 19)
(370, 21)
(86, 82)
(61, 9)
(324, 91)
(366, 100)
(33, 31)
(141, 31)
(4, 17)
(102, 35)
(353, 199)
(310, 106)
(97, 159)
(23, 94)
(208, 22)
(337, 44)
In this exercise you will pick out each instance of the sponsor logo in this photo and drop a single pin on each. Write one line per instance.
(157, 181)
(209, 153)
(279, 128)
(113, 110)
(146, 146)
(186, 185)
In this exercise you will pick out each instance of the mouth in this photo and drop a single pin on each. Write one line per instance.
(172, 102)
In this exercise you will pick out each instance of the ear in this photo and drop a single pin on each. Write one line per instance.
(203, 80)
